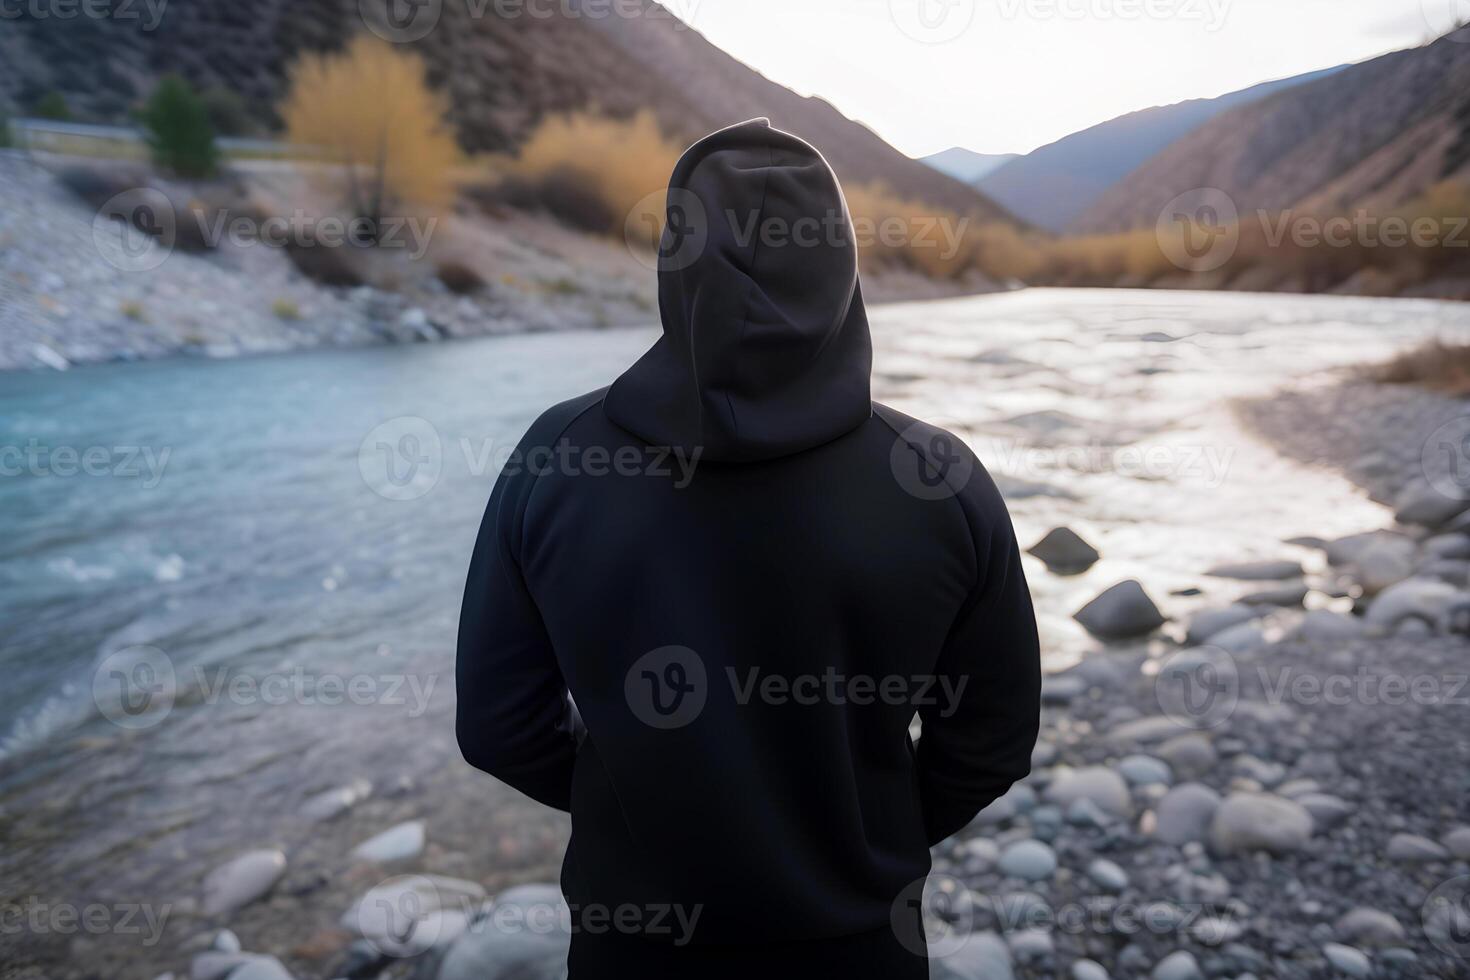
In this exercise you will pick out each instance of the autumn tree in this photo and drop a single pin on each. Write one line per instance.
(369, 110)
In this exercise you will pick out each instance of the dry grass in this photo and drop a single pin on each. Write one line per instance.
(1437, 365)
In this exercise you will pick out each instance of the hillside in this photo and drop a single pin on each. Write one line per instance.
(967, 165)
(1054, 185)
(502, 74)
(1374, 135)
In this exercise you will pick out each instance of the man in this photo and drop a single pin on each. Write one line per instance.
(750, 577)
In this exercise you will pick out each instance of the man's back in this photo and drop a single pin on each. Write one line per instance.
(750, 578)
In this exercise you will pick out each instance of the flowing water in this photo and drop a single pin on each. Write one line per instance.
(275, 547)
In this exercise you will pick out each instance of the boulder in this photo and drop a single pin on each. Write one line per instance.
(1121, 612)
(1422, 599)
(1064, 552)
(1420, 503)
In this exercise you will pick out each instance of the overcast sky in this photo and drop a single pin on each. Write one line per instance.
(1006, 76)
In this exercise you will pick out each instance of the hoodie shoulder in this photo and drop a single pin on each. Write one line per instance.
(551, 424)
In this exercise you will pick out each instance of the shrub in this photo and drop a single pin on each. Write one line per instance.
(563, 193)
(179, 131)
(1438, 365)
(227, 112)
(285, 309)
(370, 111)
(53, 106)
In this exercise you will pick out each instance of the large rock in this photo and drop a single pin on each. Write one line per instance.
(1064, 552)
(1383, 561)
(1346, 551)
(1428, 601)
(1258, 571)
(1185, 812)
(1420, 503)
(1099, 784)
(525, 936)
(234, 885)
(394, 844)
(1121, 612)
(1259, 822)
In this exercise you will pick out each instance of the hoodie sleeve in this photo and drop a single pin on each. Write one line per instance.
(512, 711)
(973, 746)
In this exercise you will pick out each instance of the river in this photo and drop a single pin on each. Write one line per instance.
(260, 535)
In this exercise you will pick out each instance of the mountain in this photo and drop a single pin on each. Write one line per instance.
(1052, 186)
(967, 165)
(1376, 134)
(502, 68)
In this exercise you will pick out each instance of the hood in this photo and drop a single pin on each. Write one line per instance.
(765, 348)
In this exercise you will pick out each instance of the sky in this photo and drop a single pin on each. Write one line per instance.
(1007, 76)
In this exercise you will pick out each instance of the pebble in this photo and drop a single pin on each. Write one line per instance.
(1320, 625)
(1457, 842)
(1368, 925)
(1420, 503)
(1107, 875)
(1413, 848)
(1099, 784)
(1028, 859)
(394, 844)
(1258, 571)
(1121, 612)
(1179, 965)
(239, 882)
(1212, 621)
(1346, 959)
(1185, 812)
(1190, 755)
(983, 956)
(1327, 811)
(1064, 552)
(1145, 770)
(332, 803)
(261, 968)
(1088, 970)
(1259, 822)
(1031, 945)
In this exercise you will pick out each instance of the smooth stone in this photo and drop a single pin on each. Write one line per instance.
(1030, 945)
(1384, 562)
(1099, 784)
(1457, 842)
(1420, 503)
(1063, 551)
(1327, 811)
(1282, 595)
(237, 883)
(1421, 599)
(1371, 926)
(410, 914)
(1028, 859)
(1239, 639)
(1258, 571)
(1062, 689)
(1011, 804)
(1179, 965)
(1107, 875)
(394, 844)
(1411, 847)
(1190, 755)
(1145, 770)
(1043, 754)
(981, 852)
(1155, 728)
(483, 951)
(1320, 625)
(1347, 550)
(1294, 789)
(215, 965)
(261, 968)
(1259, 822)
(1216, 930)
(1345, 959)
(1085, 813)
(332, 803)
(1089, 970)
(1212, 621)
(1185, 812)
(1454, 546)
(226, 942)
(1121, 612)
(1267, 774)
(983, 956)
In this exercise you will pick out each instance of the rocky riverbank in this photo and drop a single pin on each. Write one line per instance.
(1271, 784)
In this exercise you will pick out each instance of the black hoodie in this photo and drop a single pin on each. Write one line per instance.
(750, 578)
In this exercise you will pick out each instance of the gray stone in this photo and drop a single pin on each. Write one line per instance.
(1088, 970)
(1258, 571)
(1121, 612)
(1457, 842)
(394, 844)
(1062, 688)
(1327, 811)
(1212, 621)
(1179, 965)
(1422, 599)
(1099, 784)
(525, 937)
(1108, 875)
(1085, 813)
(411, 914)
(1155, 728)
(1293, 594)
(1063, 551)
(261, 968)
(1320, 625)
(1346, 551)
(1383, 562)
(1185, 812)
(332, 803)
(1420, 503)
(226, 942)
(1189, 755)
(1370, 926)
(1240, 638)
(1259, 822)
(1413, 848)
(1028, 859)
(239, 882)
(1215, 930)
(1031, 945)
(983, 956)
(1454, 546)
(216, 965)
(1145, 770)
(1345, 959)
